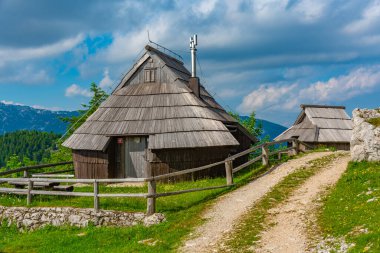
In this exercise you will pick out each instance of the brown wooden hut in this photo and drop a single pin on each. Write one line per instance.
(158, 117)
(321, 125)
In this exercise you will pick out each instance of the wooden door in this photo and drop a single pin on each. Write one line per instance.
(135, 160)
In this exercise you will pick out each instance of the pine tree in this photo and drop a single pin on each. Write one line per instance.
(99, 95)
(250, 124)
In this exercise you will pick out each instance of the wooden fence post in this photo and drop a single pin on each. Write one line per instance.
(29, 194)
(151, 201)
(296, 146)
(265, 155)
(229, 177)
(96, 197)
(26, 173)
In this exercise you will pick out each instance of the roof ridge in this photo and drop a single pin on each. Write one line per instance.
(303, 106)
(150, 48)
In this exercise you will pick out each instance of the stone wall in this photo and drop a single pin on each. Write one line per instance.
(365, 139)
(32, 218)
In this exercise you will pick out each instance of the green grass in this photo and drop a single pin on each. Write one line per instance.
(247, 232)
(183, 213)
(347, 211)
(374, 121)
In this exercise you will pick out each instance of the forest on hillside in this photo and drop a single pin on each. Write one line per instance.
(30, 147)
(27, 145)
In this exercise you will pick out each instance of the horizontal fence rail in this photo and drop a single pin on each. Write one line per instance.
(33, 167)
(152, 194)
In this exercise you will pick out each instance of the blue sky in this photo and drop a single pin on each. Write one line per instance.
(267, 56)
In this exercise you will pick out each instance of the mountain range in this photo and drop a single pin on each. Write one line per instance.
(21, 117)
(269, 128)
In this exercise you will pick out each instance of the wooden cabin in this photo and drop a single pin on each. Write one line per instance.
(321, 125)
(158, 120)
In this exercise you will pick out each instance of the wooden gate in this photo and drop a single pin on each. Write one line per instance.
(135, 159)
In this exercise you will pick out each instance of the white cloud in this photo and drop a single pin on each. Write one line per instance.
(75, 90)
(358, 81)
(287, 97)
(370, 18)
(21, 54)
(204, 8)
(264, 97)
(125, 46)
(106, 82)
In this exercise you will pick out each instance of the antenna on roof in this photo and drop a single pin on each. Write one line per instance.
(148, 36)
(193, 49)
(166, 50)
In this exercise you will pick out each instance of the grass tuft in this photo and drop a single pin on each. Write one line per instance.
(374, 121)
(352, 209)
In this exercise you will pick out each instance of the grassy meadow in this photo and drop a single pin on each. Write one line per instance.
(351, 210)
(183, 213)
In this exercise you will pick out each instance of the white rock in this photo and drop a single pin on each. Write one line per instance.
(56, 222)
(365, 139)
(27, 223)
(75, 219)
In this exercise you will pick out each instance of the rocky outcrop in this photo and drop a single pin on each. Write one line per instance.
(365, 139)
(32, 218)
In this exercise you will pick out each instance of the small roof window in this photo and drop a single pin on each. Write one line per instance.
(149, 75)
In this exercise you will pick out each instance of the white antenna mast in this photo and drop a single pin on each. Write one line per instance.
(193, 49)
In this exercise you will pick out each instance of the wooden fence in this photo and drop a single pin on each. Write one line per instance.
(26, 169)
(152, 194)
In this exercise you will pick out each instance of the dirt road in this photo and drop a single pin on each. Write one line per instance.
(223, 214)
(289, 234)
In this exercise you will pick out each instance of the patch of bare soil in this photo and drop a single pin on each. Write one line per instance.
(222, 215)
(289, 232)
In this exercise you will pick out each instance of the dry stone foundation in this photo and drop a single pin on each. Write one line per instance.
(33, 218)
(365, 139)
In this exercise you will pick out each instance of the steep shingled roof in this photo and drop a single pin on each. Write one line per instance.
(320, 123)
(167, 111)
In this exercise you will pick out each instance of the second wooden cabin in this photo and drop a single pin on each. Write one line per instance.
(159, 119)
(321, 125)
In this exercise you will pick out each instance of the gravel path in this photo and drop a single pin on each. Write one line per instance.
(289, 234)
(222, 215)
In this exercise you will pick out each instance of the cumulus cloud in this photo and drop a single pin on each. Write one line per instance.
(106, 82)
(22, 54)
(75, 90)
(266, 96)
(288, 96)
(126, 46)
(242, 43)
(358, 81)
